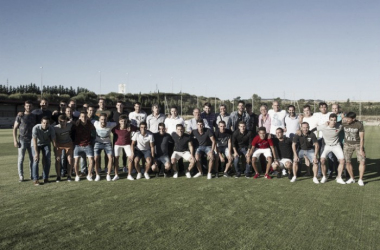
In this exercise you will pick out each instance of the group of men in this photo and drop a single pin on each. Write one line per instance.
(213, 142)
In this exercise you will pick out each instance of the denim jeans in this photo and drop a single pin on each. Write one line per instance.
(24, 146)
(45, 152)
(241, 152)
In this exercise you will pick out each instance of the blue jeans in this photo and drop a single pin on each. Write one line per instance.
(22, 147)
(45, 150)
(241, 152)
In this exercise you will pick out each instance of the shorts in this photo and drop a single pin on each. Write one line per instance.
(259, 151)
(309, 154)
(178, 155)
(143, 153)
(224, 150)
(100, 146)
(163, 159)
(87, 150)
(203, 149)
(283, 162)
(119, 148)
(349, 150)
(336, 149)
(68, 147)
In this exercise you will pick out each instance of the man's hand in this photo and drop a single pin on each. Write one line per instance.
(362, 153)
(296, 159)
(130, 159)
(315, 160)
(36, 157)
(15, 143)
(210, 155)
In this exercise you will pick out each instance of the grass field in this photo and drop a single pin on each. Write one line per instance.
(189, 213)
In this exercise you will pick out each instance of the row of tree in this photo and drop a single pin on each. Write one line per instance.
(33, 88)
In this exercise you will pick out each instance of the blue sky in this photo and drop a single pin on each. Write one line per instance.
(298, 49)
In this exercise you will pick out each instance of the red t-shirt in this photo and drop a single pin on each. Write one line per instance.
(83, 133)
(257, 142)
(122, 137)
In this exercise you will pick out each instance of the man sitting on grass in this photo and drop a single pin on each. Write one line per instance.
(284, 151)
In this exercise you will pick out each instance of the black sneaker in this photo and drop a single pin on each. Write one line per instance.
(247, 176)
(290, 176)
(226, 175)
(58, 179)
(46, 181)
(217, 175)
(68, 178)
(279, 174)
(157, 175)
(237, 175)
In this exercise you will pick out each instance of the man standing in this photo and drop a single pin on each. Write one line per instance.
(223, 148)
(161, 141)
(354, 141)
(192, 125)
(25, 124)
(119, 111)
(73, 106)
(237, 116)
(241, 145)
(43, 134)
(309, 148)
(91, 114)
(277, 117)
(103, 110)
(284, 152)
(172, 121)
(223, 116)
(61, 111)
(43, 111)
(137, 116)
(154, 119)
(292, 123)
(208, 115)
(264, 118)
(253, 118)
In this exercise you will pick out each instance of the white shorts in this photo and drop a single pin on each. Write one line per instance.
(283, 162)
(260, 151)
(337, 151)
(118, 149)
(178, 155)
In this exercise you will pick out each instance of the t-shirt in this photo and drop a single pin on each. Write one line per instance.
(283, 148)
(222, 138)
(123, 137)
(153, 121)
(161, 143)
(204, 138)
(306, 141)
(171, 123)
(312, 121)
(330, 135)
(103, 134)
(257, 142)
(292, 125)
(321, 119)
(83, 133)
(211, 118)
(137, 118)
(116, 116)
(351, 132)
(143, 141)
(240, 140)
(277, 120)
(63, 135)
(41, 113)
(27, 122)
(44, 137)
(181, 144)
(266, 123)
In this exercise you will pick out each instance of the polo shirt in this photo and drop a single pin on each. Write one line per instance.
(44, 137)
(204, 138)
(306, 141)
(240, 140)
(153, 121)
(181, 144)
(257, 142)
(143, 141)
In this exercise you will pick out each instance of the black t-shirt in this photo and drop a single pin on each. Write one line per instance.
(181, 144)
(161, 142)
(116, 116)
(306, 141)
(240, 140)
(284, 147)
(204, 139)
(222, 138)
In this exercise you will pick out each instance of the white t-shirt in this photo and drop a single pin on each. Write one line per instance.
(277, 120)
(321, 119)
(292, 125)
(143, 142)
(103, 134)
(136, 118)
(171, 123)
(313, 123)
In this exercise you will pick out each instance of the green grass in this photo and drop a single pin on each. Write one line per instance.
(189, 213)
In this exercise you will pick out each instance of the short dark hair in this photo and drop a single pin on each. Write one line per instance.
(28, 102)
(200, 121)
(333, 115)
(263, 129)
(62, 117)
(101, 99)
(222, 122)
(179, 125)
(351, 115)
(142, 123)
(91, 106)
(241, 122)
(248, 105)
(282, 130)
(322, 104)
(306, 106)
(123, 117)
(120, 101)
(83, 111)
(207, 104)
(103, 114)
(240, 101)
(292, 106)
(305, 123)
(137, 103)
(161, 124)
(174, 107)
(45, 118)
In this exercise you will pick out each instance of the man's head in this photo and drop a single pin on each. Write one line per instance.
(62, 105)
(248, 108)
(200, 124)
(90, 111)
(68, 112)
(137, 107)
(196, 113)
(179, 129)
(123, 121)
(222, 126)
(264, 109)
(62, 120)
(155, 108)
(161, 128)
(292, 110)
(119, 106)
(262, 132)
(280, 133)
(276, 106)
(72, 104)
(222, 109)
(241, 126)
(350, 117)
(44, 122)
(335, 108)
(44, 104)
(332, 119)
(173, 112)
(28, 106)
(143, 127)
(103, 120)
(306, 110)
(207, 107)
(305, 127)
(323, 107)
(102, 103)
(83, 117)
(241, 106)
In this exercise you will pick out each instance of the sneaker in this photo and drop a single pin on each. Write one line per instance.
(175, 175)
(256, 176)
(279, 175)
(105, 170)
(340, 181)
(138, 177)
(131, 178)
(46, 181)
(146, 175)
(209, 176)
(237, 175)
(293, 179)
(226, 175)
(97, 178)
(89, 178)
(271, 170)
(188, 175)
(36, 183)
(350, 181)
(217, 175)
(360, 182)
(324, 179)
(58, 179)
(315, 180)
(197, 175)
(165, 175)
(69, 178)
(115, 178)
(248, 176)
(125, 170)
(77, 178)
(108, 178)
(267, 176)
(157, 175)
(21, 179)
(290, 176)
(284, 173)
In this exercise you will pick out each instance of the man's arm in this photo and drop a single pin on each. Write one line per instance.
(15, 127)
(36, 156)
(211, 153)
(152, 149)
(361, 136)
(191, 149)
(274, 153)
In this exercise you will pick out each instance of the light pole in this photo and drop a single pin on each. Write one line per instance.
(100, 83)
(42, 76)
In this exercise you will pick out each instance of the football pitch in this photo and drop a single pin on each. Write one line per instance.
(167, 213)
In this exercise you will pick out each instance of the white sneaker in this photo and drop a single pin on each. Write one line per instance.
(146, 175)
(209, 176)
(115, 178)
(77, 178)
(188, 175)
(350, 181)
(131, 178)
(294, 178)
(138, 177)
(125, 170)
(284, 172)
(89, 178)
(197, 175)
(340, 181)
(165, 175)
(324, 179)
(360, 182)
(175, 175)
(315, 180)
(108, 178)
(97, 178)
